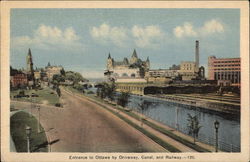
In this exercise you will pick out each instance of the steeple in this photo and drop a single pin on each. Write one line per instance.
(30, 68)
(29, 62)
(29, 53)
(134, 54)
(48, 64)
(109, 57)
(147, 59)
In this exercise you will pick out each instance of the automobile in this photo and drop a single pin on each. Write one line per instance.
(17, 96)
(34, 95)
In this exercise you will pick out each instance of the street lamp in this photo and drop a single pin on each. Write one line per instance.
(28, 133)
(38, 122)
(216, 126)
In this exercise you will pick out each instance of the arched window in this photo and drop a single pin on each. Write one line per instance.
(116, 75)
(133, 75)
(124, 74)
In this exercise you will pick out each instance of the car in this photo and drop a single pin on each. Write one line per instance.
(34, 95)
(17, 96)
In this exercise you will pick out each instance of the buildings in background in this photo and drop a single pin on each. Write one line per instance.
(29, 77)
(187, 70)
(52, 70)
(132, 70)
(18, 78)
(225, 70)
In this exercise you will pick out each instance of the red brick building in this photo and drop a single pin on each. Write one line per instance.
(19, 79)
(225, 70)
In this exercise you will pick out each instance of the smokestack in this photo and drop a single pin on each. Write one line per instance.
(197, 53)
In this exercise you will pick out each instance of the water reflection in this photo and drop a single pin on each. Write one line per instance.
(176, 116)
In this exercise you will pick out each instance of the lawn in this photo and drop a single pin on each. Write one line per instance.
(46, 96)
(38, 141)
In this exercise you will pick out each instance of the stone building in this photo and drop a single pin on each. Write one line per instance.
(225, 70)
(52, 70)
(130, 70)
(187, 70)
(161, 75)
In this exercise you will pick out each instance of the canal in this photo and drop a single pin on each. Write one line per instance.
(176, 116)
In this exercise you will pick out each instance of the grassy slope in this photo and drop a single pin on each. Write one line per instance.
(18, 124)
(45, 96)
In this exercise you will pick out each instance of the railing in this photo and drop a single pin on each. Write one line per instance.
(201, 137)
(206, 139)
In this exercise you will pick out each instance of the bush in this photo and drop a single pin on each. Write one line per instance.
(123, 99)
(90, 92)
(58, 105)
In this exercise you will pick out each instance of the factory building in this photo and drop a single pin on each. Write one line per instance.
(225, 70)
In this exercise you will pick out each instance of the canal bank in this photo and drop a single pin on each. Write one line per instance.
(176, 116)
(216, 105)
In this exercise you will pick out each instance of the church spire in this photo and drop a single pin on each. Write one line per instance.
(29, 53)
(109, 57)
(134, 54)
(147, 59)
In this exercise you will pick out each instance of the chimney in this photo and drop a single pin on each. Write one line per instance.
(197, 53)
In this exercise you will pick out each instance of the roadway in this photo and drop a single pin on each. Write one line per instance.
(83, 126)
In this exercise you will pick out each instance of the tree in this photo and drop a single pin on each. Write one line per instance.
(193, 126)
(110, 91)
(58, 91)
(62, 72)
(143, 105)
(57, 79)
(123, 99)
(106, 90)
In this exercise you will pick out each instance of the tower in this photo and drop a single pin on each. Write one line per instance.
(147, 63)
(197, 55)
(109, 62)
(134, 58)
(29, 63)
(30, 69)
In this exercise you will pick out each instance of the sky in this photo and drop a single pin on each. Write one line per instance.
(81, 39)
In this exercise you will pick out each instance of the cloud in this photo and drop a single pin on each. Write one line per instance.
(188, 30)
(47, 37)
(143, 37)
(148, 36)
(185, 30)
(212, 26)
(105, 34)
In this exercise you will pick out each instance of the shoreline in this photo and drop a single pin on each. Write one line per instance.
(216, 108)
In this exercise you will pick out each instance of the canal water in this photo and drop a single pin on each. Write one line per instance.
(176, 117)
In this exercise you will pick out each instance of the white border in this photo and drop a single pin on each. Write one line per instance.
(244, 49)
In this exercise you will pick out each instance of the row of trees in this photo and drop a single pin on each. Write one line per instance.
(75, 77)
(107, 90)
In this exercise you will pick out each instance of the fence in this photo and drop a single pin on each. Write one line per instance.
(204, 138)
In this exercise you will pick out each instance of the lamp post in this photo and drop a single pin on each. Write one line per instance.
(31, 104)
(38, 122)
(28, 133)
(216, 126)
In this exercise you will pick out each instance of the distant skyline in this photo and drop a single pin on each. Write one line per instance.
(80, 39)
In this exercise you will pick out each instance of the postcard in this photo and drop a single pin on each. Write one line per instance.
(125, 81)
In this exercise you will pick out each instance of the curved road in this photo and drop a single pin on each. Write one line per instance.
(82, 126)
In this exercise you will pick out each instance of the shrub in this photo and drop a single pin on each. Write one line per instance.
(90, 92)
(58, 105)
